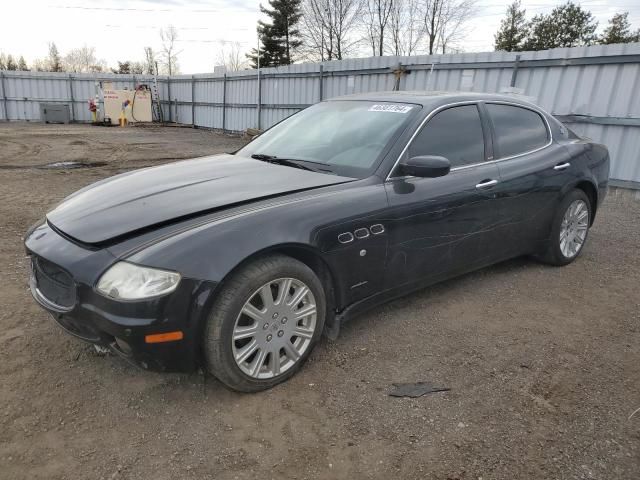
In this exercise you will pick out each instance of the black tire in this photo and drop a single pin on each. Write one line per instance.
(238, 289)
(553, 254)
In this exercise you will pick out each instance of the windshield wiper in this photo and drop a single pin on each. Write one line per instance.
(288, 162)
(279, 161)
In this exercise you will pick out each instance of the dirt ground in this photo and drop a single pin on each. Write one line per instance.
(543, 363)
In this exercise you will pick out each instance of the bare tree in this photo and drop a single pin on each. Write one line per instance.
(169, 55)
(406, 28)
(328, 28)
(99, 66)
(444, 20)
(82, 59)
(457, 13)
(137, 68)
(40, 65)
(149, 61)
(232, 56)
(376, 20)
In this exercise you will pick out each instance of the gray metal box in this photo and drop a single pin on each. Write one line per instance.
(54, 113)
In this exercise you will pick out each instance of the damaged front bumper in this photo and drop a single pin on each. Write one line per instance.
(62, 281)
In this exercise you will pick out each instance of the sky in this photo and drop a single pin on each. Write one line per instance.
(120, 29)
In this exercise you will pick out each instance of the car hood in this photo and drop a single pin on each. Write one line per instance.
(142, 199)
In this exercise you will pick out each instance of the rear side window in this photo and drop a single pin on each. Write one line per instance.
(517, 130)
(454, 133)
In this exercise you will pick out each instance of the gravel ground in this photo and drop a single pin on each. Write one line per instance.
(543, 363)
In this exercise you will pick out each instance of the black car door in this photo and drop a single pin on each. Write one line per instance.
(439, 227)
(533, 170)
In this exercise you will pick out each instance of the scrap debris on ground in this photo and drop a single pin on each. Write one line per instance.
(414, 390)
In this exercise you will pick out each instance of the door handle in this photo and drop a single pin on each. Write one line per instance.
(487, 184)
(562, 166)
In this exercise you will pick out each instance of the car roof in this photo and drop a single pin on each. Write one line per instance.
(431, 99)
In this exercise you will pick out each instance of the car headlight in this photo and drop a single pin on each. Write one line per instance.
(126, 281)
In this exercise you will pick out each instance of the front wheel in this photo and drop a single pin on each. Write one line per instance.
(267, 319)
(570, 229)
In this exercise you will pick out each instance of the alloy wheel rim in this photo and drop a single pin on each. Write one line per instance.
(274, 328)
(573, 230)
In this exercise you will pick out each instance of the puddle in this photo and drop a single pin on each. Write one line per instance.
(71, 165)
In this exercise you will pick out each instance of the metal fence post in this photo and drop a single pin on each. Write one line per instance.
(398, 73)
(514, 72)
(259, 110)
(429, 83)
(73, 102)
(321, 81)
(193, 101)
(4, 96)
(224, 101)
(168, 97)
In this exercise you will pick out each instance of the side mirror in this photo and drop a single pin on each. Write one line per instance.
(427, 166)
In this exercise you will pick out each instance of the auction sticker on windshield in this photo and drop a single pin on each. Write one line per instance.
(390, 107)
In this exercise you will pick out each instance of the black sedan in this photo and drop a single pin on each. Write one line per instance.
(239, 262)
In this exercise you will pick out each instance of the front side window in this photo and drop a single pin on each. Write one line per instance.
(454, 133)
(343, 137)
(517, 130)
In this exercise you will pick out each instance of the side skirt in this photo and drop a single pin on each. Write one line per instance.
(380, 298)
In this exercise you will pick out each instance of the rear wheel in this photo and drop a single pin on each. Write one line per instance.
(267, 319)
(570, 229)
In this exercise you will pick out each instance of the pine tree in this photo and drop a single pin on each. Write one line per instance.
(280, 38)
(11, 64)
(567, 25)
(3, 61)
(22, 65)
(54, 61)
(513, 29)
(619, 30)
(123, 68)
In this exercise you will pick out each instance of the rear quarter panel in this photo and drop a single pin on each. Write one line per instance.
(591, 158)
(592, 165)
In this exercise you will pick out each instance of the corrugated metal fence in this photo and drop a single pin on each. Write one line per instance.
(595, 89)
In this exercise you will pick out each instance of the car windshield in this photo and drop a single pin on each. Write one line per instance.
(342, 137)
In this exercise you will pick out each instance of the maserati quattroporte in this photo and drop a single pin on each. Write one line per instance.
(239, 262)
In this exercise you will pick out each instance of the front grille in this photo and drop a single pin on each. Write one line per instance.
(53, 283)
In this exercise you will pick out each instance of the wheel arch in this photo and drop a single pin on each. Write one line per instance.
(591, 192)
(309, 256)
